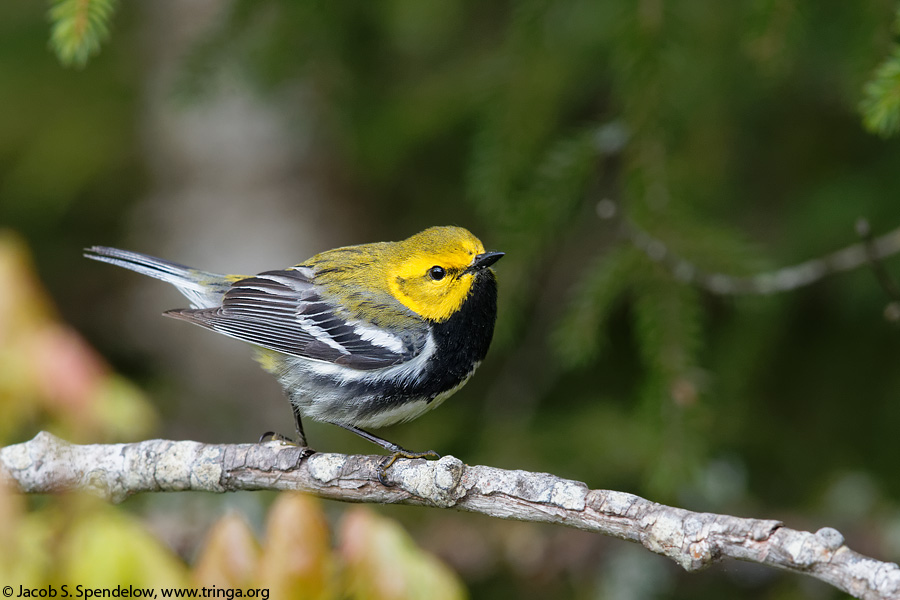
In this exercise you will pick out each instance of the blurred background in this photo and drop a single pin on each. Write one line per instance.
(616, 151)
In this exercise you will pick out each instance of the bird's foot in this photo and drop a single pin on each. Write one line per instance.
(389, 460)
(271, 436)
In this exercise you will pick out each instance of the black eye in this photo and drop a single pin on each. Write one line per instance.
(437, 273)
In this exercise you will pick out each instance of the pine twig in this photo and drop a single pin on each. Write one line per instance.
(872, 251)
(47, 464)
(887, 283)
(79, 27)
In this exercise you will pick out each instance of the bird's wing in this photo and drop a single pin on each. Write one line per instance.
(283, 311)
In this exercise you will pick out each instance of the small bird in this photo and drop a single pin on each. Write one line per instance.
(360, 336)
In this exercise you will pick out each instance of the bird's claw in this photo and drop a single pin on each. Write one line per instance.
(271, 436)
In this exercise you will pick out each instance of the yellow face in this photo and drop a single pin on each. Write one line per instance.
(431, 277)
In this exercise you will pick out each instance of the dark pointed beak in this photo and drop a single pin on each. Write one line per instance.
(484, 260)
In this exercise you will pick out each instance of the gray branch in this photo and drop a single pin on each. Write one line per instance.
(47, 464)
(871, 251)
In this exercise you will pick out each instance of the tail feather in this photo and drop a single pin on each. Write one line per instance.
(203, 289)
(141, 263)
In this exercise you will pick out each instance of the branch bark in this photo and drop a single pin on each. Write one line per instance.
(47, 464)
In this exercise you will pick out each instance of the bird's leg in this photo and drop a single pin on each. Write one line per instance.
(395, 450)
(298, 423)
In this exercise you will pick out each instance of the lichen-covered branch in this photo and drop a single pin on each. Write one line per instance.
(694, 540)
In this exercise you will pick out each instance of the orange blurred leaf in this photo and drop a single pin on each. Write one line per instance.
(297, 560)
(383, 563)
(230, 555)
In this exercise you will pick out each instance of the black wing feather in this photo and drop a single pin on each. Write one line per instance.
(283, 311)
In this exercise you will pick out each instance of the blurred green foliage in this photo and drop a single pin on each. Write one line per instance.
(881, 103)
(79, 27)
(736, 134)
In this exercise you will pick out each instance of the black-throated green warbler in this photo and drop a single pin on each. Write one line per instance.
(360, 336)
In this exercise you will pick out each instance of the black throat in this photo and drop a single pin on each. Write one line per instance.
(463, 339)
